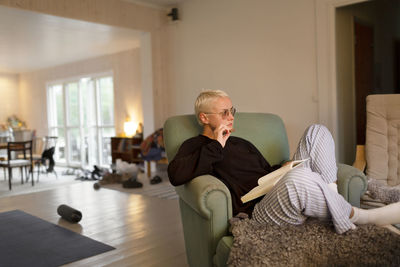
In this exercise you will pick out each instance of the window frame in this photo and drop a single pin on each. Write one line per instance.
(67, 127)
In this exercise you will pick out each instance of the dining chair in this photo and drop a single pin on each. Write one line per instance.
(38, 148)
(13, 149)
(5, 137)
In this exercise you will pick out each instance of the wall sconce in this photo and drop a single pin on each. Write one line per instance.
(130, 127)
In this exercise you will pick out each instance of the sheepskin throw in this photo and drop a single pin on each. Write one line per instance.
(387, 194)
(311, 244)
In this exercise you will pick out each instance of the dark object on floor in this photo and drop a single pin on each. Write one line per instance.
(46, 158)
(87, 174)
(156, 180)
(31, 241)
(84, 175)
(68, 213)
(96, 186)
(132, 183)
(48, 154)
(313, 243)
(97, 173)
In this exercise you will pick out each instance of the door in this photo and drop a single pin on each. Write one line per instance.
(364, 74)
(397, 66)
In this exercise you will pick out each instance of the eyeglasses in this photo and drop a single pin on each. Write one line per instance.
(225, 113)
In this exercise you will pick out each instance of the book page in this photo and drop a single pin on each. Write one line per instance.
(281, 170)
(267, 182)
(263, 188)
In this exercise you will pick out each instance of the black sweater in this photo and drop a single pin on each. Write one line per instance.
(238, 165)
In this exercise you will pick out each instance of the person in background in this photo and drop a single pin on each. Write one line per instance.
(152, 149)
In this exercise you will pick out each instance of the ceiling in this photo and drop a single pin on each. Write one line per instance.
(30, 41)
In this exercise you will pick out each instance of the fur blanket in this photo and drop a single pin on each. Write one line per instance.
(384, 193)
(311, 244)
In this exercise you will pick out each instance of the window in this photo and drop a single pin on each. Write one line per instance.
(81, 114)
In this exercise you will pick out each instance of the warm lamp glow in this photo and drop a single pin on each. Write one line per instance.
(130, 128)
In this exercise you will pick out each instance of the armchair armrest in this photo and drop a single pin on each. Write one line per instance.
(352, 183)
(206, 206)
(201, 194)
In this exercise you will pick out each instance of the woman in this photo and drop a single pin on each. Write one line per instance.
(307, 191)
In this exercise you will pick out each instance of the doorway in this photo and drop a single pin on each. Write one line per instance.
(367, 62)
(364, 74)
(397, 66)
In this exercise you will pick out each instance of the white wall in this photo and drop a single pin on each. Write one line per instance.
(262, 53)
(127, 87)
(9, 100)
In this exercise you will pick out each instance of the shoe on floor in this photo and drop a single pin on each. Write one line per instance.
(132, 183)
(156, 180)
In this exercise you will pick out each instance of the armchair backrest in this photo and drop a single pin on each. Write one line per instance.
(266, 131)
(383, 138)
(205, 202)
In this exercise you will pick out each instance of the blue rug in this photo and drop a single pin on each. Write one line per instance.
(30, 241)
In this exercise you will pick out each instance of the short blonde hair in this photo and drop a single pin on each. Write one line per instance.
(205, 99)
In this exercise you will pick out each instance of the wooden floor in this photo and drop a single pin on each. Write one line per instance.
(145, 231)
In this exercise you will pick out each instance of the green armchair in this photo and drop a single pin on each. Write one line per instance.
(205, 202)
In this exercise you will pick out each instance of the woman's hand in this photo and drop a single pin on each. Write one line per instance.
(222, 133)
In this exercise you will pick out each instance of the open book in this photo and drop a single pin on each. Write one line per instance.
(267, 182)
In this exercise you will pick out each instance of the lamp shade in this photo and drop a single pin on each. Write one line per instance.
(130, 128)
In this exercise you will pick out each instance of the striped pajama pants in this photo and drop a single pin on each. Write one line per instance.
(304, 192)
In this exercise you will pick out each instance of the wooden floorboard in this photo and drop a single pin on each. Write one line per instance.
(145, 231)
